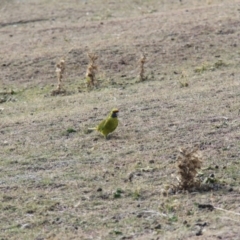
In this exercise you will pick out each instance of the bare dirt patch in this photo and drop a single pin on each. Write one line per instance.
(57, 181)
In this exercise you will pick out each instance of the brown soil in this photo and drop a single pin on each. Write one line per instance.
(59, 182)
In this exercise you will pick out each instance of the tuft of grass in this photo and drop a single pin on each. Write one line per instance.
(71, 130)
(6, 96)
(219, 64)
(183, 84)
(210, 67)
(204, 67)
(136, 194)
(118, 193)
(68, 131)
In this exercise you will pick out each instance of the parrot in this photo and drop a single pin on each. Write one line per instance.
(109, 124)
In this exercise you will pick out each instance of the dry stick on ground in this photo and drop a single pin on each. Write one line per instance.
(91, 70)
(60, 69)
(141, 74)
(189, 161)
(227, 211)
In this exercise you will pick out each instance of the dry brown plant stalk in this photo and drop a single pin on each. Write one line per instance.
(184, 76)
(60, 69)
(189, 161)
(142, 62)
(91, 70)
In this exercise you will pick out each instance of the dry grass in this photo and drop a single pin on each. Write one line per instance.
(91, 70)
(6, 96)
(184, 79)
(142, 61)
(60, 69)
(58, 182)
(189, 162)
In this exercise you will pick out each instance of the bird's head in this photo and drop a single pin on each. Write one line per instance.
(114, 113)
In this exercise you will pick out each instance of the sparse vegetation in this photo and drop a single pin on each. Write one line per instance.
(58, 182)
(189, 162)
(5, 96)
(219, 63)
(204, 67)
(210, 67)
(118, 193)
(69, 131)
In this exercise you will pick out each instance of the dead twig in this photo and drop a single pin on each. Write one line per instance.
(221, 209)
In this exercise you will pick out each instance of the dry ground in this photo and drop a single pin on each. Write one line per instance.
(57, 182)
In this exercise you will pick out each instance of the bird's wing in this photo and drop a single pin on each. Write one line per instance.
(107, 122)
(102, 124)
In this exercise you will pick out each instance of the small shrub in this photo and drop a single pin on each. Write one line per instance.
(189, 161)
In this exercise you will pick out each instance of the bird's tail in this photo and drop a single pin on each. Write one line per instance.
(92, 128)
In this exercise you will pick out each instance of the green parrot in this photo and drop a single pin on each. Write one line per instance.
(109, 124)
